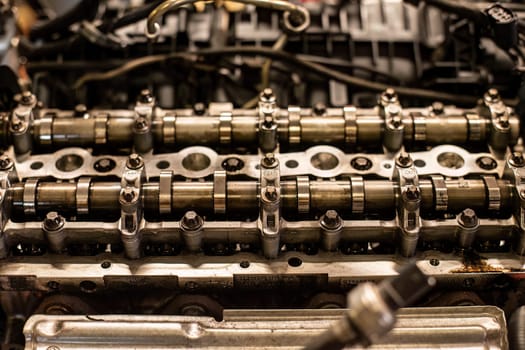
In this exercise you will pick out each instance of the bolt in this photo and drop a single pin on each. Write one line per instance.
(396, 121)
(268, 121)
(104, 165)
(504, 121)
(331, 220)
(361, 163)
(145, 96)
(517, 160)
(232, 164)
(269, 160)
(5, 162)
(438, 107)
(80, 110)
(319, 108)
(128, 194)
(134, 161)
(267, 93)
(17, 124)
(389, 96)
(468, 218)
(27, 98)
(192, 221)
(53, 221)
(493, 94)
(486, 163)
(271, 193)
(412, 193)
(199, 108)
(141, 123)
(404, 160)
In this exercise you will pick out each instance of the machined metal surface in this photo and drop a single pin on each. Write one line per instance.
(422, 328)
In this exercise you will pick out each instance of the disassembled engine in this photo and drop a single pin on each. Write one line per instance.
(180, 174)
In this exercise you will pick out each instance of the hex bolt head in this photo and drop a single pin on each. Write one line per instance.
(404, 160)
(145, 96)
(319, 109)
(17, 124)
(271, 193)
(361, 163)
(141, 123)
(232, 164)
(199, 108)
(517, 159)
(53, 221)
(331, 220)
(267, 93)
(412, 193)
(468, 218)
(192, 221)
(27, 98)
(80, 110)
(438, 107)
(134, 161)
(269, 160)
(268, 121)
(5, 162)
(128, 194)
(493, 94)
(486, 163)
(389, 96)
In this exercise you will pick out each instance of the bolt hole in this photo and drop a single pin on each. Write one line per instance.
(36, 165)
(69, 162)
(257, 167)
(88, 286)
(419, 163)
(105, 265)
(196, 161)
(324, 161)
(245, 264)
(434, 262)
(292, 164)
(451, 160)
(295, 262)
(163, 164)
(387, 165)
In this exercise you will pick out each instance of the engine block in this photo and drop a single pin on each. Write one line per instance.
(156, 221)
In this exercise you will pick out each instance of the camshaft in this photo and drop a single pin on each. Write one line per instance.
(355, 196)
(147, 127)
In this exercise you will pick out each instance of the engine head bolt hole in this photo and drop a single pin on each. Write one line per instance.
(295, 262)
(434, 262)
(88, 286)
(292, 164)
(36, 165)
(105, 265)
(163, 164)
(244, 264)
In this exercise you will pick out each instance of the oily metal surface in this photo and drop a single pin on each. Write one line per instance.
(472, 327)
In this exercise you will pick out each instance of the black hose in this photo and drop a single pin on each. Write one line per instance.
(84, 10)
(291, 59)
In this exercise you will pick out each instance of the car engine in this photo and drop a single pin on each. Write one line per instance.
(240, 174)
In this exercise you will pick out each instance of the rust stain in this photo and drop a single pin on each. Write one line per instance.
(475, 263)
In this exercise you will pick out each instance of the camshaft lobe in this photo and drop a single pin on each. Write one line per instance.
(224, 126)
(354, 197)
